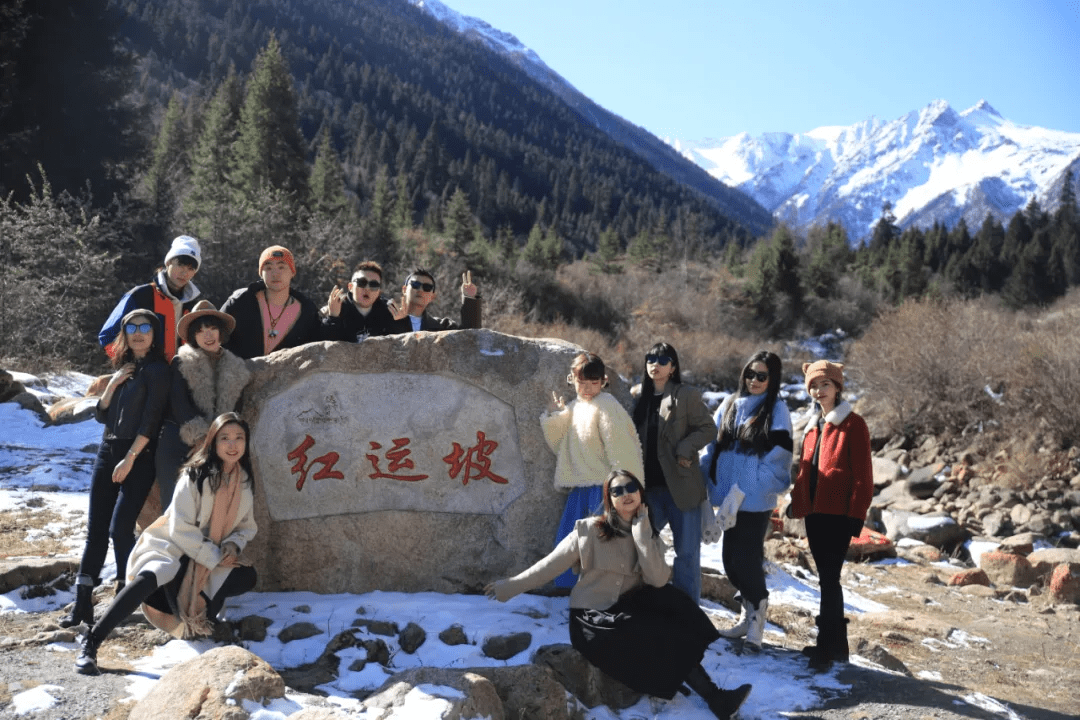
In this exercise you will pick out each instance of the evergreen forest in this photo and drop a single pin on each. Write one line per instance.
(348, 131)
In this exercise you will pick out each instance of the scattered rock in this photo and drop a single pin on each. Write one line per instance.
(504, 647)
(411, 638)
(975, 576)
(454, 635)
(1064, 585)
(1044, 561)
(869, 546)
(1007, 569)
(877, 654)
(377, 627)
(253, 628)
(298, 631)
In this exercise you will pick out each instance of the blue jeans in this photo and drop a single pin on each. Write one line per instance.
(582, 502)
(686, 530)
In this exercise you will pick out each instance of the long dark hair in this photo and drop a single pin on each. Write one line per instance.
(204, 462)
(605, 521)
(122, 352)
(641, 407)
(753, 435)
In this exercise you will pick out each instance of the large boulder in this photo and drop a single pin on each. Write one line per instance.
(211, 687)
(1064, 585)
(584, 680)
(410, 462)
(937, 529)
(435, 692)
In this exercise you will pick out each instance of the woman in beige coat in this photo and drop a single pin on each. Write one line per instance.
(187, 562)
(624, 616)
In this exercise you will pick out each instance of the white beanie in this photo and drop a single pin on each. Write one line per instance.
(185, 246)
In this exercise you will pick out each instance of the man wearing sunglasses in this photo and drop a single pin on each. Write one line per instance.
(419, 291)
(360, 311)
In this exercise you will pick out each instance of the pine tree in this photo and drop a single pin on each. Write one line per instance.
(607, 251)
(270, 151)
(829, 257)
(161, 182)
(327, 178)
(403, 206)
(210, 160)
(459, 223)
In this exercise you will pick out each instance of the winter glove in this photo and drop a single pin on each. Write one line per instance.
(855, 526)
(710, 530)
(726, 514)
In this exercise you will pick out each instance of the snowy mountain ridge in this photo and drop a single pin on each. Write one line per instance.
(933, 164)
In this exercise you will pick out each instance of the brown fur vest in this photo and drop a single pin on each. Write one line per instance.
(213, 390)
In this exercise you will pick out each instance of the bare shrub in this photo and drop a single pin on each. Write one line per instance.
(929, 362)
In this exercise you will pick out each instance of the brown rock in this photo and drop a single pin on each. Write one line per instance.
(33, 571)
(584, 680)
(210, 687)
(1021, 543)
(472, 695)
(72, 410)
(716, 587)
(1007, 569)
(1064, 586)
(870, 545)
(975, 576)
(368, 456)
(1044, 561)
(920, 553)
(529, 691)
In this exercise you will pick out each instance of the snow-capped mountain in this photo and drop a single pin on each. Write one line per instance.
(933, 165)
(655, 151)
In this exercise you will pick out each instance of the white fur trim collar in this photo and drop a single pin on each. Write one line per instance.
(835, 416)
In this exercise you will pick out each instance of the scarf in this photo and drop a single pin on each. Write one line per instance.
(190, 599)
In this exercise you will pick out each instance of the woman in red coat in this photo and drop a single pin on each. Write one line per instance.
(832, 491)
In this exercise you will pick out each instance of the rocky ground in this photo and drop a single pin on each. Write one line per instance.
(954, 652)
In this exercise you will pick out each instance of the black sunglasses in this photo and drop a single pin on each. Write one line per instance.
(417, 285)
(759, 376)
(132, 328)
(363, 282)
(657, 359)
(620, 490)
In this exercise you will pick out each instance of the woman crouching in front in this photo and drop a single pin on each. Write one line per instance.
(624, 616)
(187, 562)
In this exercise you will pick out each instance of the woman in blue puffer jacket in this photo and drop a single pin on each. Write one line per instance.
(752, 451)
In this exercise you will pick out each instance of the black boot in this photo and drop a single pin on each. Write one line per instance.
(83, 610)
(86, 663)
(832, 644)
(723, 703)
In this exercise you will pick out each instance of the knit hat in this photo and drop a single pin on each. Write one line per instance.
(202, 309)
(277, 252)
(185, 246)
(824, 368)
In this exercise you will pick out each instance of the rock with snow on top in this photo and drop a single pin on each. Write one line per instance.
(211, 686)
(435, 692)
(938, 529)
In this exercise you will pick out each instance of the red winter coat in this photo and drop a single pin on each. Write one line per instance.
(845, 483)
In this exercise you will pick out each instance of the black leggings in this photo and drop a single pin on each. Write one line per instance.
(744, 555)
(829, 537)
(144, 588)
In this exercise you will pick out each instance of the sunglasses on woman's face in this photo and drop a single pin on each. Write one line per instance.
(620, 490)
(132, 328)
(657, 359)
(759, 376)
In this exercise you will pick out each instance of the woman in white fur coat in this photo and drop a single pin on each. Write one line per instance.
(207, 380)
(187, 562)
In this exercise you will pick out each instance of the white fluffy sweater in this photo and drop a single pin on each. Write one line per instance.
(590, 438)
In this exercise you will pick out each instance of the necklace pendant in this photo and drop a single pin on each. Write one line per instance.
(273, 333)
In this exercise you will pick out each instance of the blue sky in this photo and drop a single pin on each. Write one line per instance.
(695, 69)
